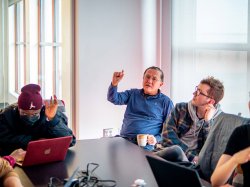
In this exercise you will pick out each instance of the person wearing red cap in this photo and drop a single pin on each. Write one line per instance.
(29, 119)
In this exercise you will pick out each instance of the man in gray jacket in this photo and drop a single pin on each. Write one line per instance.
(188, 125)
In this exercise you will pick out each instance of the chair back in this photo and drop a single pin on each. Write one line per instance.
(216, 142)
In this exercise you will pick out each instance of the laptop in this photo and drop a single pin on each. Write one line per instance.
(171, 174)
(45, 151)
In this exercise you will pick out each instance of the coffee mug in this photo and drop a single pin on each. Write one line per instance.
(142, 139)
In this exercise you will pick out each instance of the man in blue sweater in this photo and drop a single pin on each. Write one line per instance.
(147, 108)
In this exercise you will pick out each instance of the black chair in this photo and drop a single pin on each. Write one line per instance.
(216, 142)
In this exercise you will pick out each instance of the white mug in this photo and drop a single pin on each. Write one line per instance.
(142, 139)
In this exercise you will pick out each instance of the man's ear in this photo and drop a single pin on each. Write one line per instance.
(161, 84)
(212, 101)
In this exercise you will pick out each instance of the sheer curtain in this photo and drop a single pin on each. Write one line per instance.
(211, 38)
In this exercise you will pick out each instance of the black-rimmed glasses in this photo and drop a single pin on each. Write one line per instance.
(148, 77)
(199, 92)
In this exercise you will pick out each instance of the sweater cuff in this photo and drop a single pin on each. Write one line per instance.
(10, 159)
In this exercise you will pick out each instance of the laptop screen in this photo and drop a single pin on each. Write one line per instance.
(171, 174)
(46, 150)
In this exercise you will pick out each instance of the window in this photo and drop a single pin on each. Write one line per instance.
(50, 47)
(17, 48)
(210, 37)
(36, 53)
(227, 24)
(42, 63)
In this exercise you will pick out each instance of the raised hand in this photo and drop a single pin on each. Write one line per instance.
(117, 77)
(51, 108)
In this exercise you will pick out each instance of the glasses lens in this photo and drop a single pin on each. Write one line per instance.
(197, 91)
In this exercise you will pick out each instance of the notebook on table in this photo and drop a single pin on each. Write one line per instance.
(45, 151)
(171, 174)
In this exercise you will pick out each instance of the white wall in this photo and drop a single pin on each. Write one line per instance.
(109, 38)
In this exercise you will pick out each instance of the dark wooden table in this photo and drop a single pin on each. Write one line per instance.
(118, 160)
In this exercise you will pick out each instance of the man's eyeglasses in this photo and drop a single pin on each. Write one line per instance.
(199, 92)
(148, 77)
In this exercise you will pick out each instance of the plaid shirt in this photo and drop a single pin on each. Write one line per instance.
(179, 123)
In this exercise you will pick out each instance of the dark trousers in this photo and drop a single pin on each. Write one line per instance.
(173, 153)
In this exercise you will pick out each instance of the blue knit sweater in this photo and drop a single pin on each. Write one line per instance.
(144, 114)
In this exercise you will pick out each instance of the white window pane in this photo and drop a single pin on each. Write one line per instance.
(33, 41)
(228, 66)
(21, 67)
(11, 64)
(231, 68)
(47, 20)
(212, 23)
(59, 72)
(58, 18)
(223, 21)
(51, 34)
(33, 68)
(20, 22)
(48, 71)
